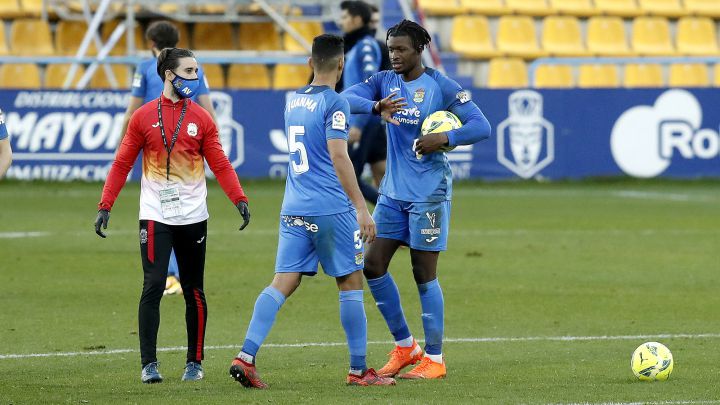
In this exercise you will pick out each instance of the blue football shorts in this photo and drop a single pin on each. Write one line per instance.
(420, 225)
(331, 240)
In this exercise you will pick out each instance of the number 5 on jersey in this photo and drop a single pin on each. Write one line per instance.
(295, 145)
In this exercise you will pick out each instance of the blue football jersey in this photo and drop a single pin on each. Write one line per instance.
(428, 179)
(148, 85)
(313, 115)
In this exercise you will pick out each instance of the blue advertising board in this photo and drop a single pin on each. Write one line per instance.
(554, 134)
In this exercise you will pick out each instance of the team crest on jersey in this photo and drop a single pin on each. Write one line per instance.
(192, 129)
(463, 96)
(419, 95)
(143, 236)
(338, 120)
(359, 258)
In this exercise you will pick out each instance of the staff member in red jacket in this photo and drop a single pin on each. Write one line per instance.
(175, 134)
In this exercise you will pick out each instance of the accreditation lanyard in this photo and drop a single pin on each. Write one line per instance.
(175, 134)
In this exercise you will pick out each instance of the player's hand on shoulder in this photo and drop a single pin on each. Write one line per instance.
(431, 143)
(242, 206)
(367, 226)
(103, 216)
(389, 106)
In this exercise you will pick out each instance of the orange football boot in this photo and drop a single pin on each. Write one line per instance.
(246, 374)
(370, 377)
(427, 369)
(401, 357)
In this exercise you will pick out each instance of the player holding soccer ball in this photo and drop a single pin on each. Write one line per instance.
(318, 222)
(414, 205)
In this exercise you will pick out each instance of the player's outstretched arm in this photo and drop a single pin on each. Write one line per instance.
(5, 155)
(133, 105)
(346, 174)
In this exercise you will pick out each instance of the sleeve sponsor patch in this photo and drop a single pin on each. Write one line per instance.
(463, 96)
(338, 121)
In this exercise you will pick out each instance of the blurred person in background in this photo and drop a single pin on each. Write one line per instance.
(147, 86)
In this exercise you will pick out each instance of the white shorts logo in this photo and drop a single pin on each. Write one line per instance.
(338, 120)
(645, 138)
(525, 142)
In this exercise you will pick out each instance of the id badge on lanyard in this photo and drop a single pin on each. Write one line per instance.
(170, 202)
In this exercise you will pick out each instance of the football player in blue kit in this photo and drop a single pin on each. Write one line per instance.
(323, 218)
(414, 204)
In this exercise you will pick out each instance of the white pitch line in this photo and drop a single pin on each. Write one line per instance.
(681, 402)
(16, 235)
(378, 342)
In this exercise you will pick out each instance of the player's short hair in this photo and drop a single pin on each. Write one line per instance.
(163, 33)
(418, 35)
(357, 8)
(326, 51)
(169, 59)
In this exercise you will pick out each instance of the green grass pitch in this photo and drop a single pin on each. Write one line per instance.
(617, 262)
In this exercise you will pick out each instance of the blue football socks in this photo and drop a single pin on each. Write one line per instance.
(387, 299)
(267, 305)
(433, 313)
(352, 317)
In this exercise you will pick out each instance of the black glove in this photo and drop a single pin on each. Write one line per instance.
(103, 217)
(242, 206)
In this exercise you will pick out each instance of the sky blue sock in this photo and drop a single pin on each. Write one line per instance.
(387, 299)
(433, 313)
(352, 317)
(267, 305)
(173, 266)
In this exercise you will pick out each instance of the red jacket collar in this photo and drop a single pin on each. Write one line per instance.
(166, 101)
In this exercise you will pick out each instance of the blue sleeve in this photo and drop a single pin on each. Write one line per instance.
(369, 57)
(3, 129)
(336, 113)
(139, 83)
(458, 101)
(204, 87)
(362, 96)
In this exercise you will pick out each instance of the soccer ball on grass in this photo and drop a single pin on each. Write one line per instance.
(652, 361)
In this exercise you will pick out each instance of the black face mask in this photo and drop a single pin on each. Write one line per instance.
(373, 32)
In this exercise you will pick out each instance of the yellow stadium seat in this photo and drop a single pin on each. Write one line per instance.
(651, 36)
(213, 37)
(484, 7)
(708, 8)
(606, 37)
(696, 36)
(216, 8)
(561, 36)
(214, 75)
(249, 77)
(10, 9)
(307, 29)
(643, 75)
(581, 8)
(716, 75)
(259, 37)
(598, 76)
(555, 76)
(507, 72)
(31, 8)
(287, 77)
(4, 50)
(668, 8)
(688, 75)
(120, 47)
(529, 7)
(55, 75)
(471, 37)
(31, 37)
(440, 7)
(184, 33)
(516, 37)
(69, 35)
(99, 80)
(19, 76)
(623, 8)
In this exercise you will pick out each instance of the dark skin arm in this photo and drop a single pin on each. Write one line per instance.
(431, 143)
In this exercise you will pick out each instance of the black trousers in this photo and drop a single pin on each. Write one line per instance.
(371, 148)
(156, 241)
